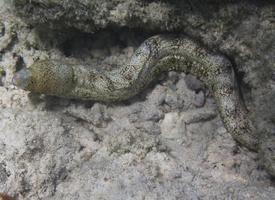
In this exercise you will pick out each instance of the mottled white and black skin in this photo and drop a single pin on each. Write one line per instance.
(157, 54)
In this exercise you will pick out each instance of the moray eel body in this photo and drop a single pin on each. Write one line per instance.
(156, 55)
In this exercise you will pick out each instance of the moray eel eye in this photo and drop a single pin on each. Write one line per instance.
(21, 78)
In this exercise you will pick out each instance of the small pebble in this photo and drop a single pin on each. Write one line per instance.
(199, 100)
(193, 83)
(2, 71)
(171, 127)
(2, 74)
(2, 29)
(273, 76)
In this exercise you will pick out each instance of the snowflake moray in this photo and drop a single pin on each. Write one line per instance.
(157, 54)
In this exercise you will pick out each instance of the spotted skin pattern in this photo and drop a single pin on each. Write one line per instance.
(157, 54)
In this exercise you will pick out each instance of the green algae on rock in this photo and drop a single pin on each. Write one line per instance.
(90, 16)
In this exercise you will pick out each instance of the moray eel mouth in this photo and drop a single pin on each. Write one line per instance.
(21, 78)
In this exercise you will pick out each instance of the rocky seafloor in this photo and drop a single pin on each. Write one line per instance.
(167, 142)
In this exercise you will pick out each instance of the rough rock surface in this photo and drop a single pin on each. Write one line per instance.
(166, 143)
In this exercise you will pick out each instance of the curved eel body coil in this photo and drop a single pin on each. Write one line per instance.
(157, 54)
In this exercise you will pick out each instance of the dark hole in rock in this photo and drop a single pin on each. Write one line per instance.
(82, 45)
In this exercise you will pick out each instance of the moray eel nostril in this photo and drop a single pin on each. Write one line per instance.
(21, 78)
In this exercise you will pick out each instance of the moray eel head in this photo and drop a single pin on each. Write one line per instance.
(45, 77)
